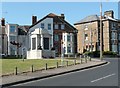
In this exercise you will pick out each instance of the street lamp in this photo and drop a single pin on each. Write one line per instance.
(91, 37)
(75, 41)
(101, 34)
(83, 37)
(62, 52)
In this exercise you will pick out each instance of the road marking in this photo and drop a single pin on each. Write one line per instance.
(102, 78)
(61, 75)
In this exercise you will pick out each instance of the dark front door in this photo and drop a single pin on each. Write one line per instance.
(46, 43)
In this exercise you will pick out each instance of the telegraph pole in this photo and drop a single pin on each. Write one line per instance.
(91, 38)
(101, 34)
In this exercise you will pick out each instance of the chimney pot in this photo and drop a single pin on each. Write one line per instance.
(109, 13)
(3, 21)
(62, 16)
(34, 19)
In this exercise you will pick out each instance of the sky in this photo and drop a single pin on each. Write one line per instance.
(21, 12)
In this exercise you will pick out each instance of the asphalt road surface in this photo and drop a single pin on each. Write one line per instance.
(106, 75)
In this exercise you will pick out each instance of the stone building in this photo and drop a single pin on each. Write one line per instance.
(88, 37)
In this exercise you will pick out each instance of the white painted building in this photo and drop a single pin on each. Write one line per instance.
(41, 40)
(68, 43)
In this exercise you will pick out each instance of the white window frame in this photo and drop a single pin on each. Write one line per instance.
(42, 25)
(49, 26)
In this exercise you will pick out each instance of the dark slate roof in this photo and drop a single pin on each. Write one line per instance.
(88, 19)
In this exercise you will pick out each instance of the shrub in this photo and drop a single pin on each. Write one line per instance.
(109, 53)
(93, 53)
(97, 53)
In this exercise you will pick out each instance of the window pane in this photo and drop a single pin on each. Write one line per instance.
(49, 26)
(33, 43)
(62, 26)
(56, 26)
(86, 36)
(69, 49)
(42, 25)
(114, 48)
(68, 38)
(56, 37)
(12, 28)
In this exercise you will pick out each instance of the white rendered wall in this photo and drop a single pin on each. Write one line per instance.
(46, 22)
(11, 34)
(68, 43)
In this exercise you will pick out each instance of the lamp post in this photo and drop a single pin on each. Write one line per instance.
(83, 38)
(62, 52)
(91, 38)
(75, 39)
(101, 34)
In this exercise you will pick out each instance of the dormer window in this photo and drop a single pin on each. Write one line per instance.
(42, 25)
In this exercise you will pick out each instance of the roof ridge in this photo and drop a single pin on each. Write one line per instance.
(52, 14)
(89, 18)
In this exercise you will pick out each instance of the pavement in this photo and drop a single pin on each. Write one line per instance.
(31, 76)
(105, 76)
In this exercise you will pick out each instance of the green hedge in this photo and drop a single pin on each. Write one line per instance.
(97, 53)
(109, 53)
(12, 57)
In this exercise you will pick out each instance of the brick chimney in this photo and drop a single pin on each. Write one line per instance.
(109, 13)
(62, 16)
(3, 21)
(34, 19)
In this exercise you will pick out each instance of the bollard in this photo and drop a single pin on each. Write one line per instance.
(15, 71)
(81, 60)
(75, 56)
(66, 63)
(85, 60)
(32, 68)
(46, 66)
(57, 65)
(74, 62)
(90, 58)
(80, 56)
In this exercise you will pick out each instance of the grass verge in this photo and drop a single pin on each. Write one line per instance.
(8, 65)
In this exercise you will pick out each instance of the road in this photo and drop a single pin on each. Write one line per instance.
(100, 76)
